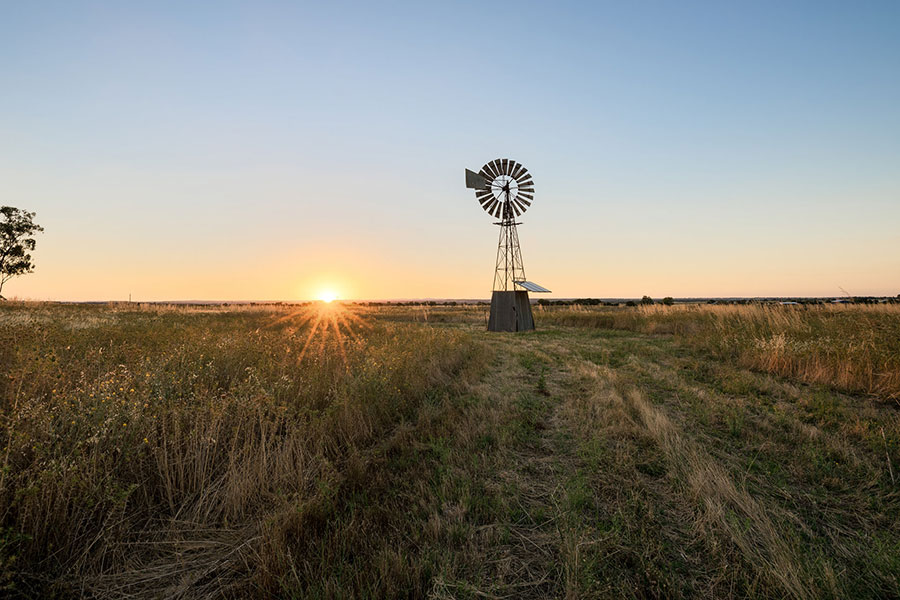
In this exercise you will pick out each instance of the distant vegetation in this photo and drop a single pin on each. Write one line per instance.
(669, 301)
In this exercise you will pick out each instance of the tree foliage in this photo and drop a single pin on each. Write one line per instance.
(17, 228)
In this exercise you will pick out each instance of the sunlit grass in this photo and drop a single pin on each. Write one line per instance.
(138, 432)
(326, 324)
(853, 347)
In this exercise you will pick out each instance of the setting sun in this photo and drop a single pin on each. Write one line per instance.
(327, 295)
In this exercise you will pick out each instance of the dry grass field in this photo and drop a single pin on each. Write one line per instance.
(330, 452)
(853, 347)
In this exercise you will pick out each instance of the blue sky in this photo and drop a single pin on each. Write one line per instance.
(264, 150)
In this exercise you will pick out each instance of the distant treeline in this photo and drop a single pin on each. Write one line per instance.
(647, 300)
(668, 300)
(426, 303)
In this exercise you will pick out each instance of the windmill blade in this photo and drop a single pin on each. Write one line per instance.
(498, 210)
(523, 175)
(527, 197)
(489, 207)
(515, 208)
(517, 171)
(505, 164)
(482, 200)
(526, 180)
(489, 169)
(521, 206)
(495, 165)
(525, 202)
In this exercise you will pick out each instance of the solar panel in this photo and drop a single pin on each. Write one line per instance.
(531, 287)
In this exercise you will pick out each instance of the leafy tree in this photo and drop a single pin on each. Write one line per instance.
(16, 230)
(668, 301)
(646, 300)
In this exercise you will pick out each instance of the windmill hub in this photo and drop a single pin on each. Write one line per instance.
(505, 190)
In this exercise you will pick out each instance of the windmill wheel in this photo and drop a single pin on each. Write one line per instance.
(507, 190)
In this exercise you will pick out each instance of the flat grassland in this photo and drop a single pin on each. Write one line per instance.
(333, 451)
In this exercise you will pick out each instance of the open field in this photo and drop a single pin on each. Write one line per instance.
(717, 452)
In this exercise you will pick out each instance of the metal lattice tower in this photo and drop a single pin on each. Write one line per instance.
(509, 268)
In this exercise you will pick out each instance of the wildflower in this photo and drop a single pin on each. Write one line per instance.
(146, 441)
(124, 424)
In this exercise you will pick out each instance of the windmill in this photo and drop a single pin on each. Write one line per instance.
(505, 190)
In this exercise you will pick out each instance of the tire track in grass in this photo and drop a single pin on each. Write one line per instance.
(540, 551)
(520, 544)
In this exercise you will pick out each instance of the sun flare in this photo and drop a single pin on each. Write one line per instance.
(328, 296)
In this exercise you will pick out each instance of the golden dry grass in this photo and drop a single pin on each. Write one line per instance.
(172, 452)
(855, 347)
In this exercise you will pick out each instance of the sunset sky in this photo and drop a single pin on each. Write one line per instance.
(253, 150)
